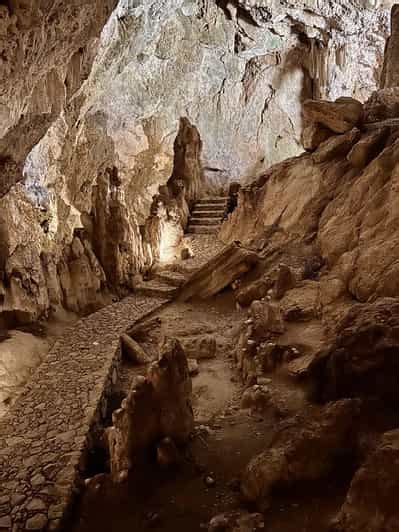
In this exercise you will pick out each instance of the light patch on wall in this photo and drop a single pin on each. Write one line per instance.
(130, 140)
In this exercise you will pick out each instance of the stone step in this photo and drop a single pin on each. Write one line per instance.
(204, 221)
(212, 201)
(217, 213)
(210, 207)
(203, 229)
(156, 289)
(175, 279)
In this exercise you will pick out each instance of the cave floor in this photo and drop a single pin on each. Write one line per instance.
(225, 439)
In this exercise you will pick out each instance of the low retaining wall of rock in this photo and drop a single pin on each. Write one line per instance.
(45, 437)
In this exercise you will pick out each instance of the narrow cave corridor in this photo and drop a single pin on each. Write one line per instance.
(199, 295)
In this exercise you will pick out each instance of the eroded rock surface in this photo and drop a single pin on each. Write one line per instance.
(308, 450)
(125, 111)
(157, 407)
(371, 504)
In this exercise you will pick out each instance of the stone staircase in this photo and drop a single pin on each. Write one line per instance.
(207, 215)
(162, 284)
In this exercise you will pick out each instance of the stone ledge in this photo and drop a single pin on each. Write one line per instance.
(45, 436)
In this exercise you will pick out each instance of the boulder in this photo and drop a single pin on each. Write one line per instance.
(338, 146)
(368, 147)
(307, 449)
(371, 504)
(313, 135)
(364, 359)
(340, 116)
(218, 273)
(266, 320)
(255, 290)
(133, 351)
(200, 347)
(382, 105)
(256, 398)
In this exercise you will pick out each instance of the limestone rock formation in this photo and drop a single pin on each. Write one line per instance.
(157, 407)
(306, 450)
(390, 73)
(363, 361)
(345, 214)
(340, 116)
(111, 134)
(371, 504)
(226, 267)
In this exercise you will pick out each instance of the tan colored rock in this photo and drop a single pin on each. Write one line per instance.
(371, 504)
(382, 105)
(336, 147)
(313, 135)
(306, 450)
(390, 73)
(285, 281)
(237, 522)
(172, 387)
(302, 303)
(340, 116)
(362, 362)
(199, 347)
(157, 407)
(230, 264)
(267, 320)
(256, 398)
(367, 148)
(193, 367)
(253, 291)
(133, 350)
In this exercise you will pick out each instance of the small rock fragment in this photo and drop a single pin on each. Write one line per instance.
(193, 366)
(209, 481)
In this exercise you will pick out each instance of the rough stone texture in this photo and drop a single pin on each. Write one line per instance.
(390, 73)
(340, 116)
(222, 270)
(313, 135)
(371, 504)
(306, 450)
(364, 359)
(336, 147)
(200, 347)
(157, 407)
(45, 437)
(367, 148)
(46, 54)
(348, 216)
(229, 78)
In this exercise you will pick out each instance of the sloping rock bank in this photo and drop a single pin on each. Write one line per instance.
(323, 302)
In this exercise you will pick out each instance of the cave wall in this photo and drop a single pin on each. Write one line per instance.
(94, 120)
